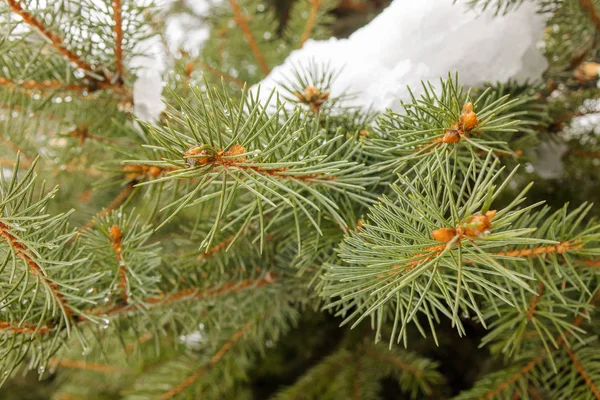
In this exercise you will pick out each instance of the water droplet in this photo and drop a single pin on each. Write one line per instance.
(41, 369)
(104, 322)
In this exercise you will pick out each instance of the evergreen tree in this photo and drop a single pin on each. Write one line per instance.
(211, 250)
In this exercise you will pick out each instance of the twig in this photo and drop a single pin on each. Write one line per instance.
(115, 237)
(88, 366)
(310, 22)
(213, 361)
(243, 24)
(220, 73)
(55, 40)
(117, 201)
(118, 37)
(588, 6)
(36, 269)
(533, 304)
(582, 372)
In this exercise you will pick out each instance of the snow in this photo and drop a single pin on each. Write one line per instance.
(182, 32)
(411, 41)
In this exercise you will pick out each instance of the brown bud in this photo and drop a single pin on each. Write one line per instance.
(235, 151)
(451, 136)
(468, 119)
(587, 71)
(154, 171)
(115, 234)
(478, 224)
(444, 235)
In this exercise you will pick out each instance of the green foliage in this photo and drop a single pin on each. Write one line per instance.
(204, 236)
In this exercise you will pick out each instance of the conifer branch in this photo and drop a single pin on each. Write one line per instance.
(23, 328)
(87, 366)
(221, 74)
(310, 22)
(189, 294)
(243, 24)
(394, 360)
(118, 37)
(588, 6)
(581, 370)
(23, 252)
(213, 361)
(55, 40)
(43, 85)
(559, 340)
(531, 310)
(114, 204)
(116, 235)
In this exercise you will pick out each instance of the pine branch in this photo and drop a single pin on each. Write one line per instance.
(116, 235)
(87, 366)
(55, 40)
(531, 310)
(243, 24)
(220, 74)
(27, 255)
(188, 294)
(310, 22)
(581, 370)
(589, 7)
(213, 361)
(118, 37)
(44, 85)
(114, 204)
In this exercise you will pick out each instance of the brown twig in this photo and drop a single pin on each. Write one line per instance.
(310, 22)
(55, 40)
(393, 360)
(43, 85)
(531, 310)
(588, 6)
(118, 37)
(21, 250)
(559, 341)
(88, 366)
(23, 328)
(221, 74)
(115, 237)
(186, 294)
(243, 24)
(117, 201)
(213, 361)
(582, 372)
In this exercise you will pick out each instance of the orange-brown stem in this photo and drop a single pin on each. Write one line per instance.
(116, 237)
(582, 372)
(213, 361)
(24, 253)
(588, 6)
(393, 360)
(310, 22)
(560, 339)
(43, 85)
(188, 294)
(23, 328)
(55, 40)
(118, 37)
(220, 74)
(234, 158)
(243, 24)
(88, 366)
(531, 310)
(117, 201)
(560, 248)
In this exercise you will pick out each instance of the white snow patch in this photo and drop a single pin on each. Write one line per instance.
(411, 41)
